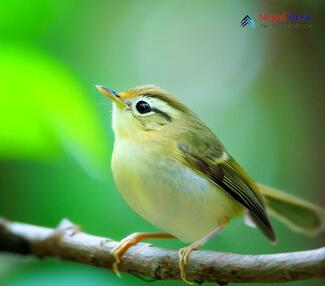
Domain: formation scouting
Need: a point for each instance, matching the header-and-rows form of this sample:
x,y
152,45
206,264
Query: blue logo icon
x,y
247,21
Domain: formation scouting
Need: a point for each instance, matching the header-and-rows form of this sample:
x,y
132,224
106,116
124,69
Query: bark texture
x,y
146,260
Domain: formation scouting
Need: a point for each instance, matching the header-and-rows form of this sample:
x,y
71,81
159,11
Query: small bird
x,y
173,171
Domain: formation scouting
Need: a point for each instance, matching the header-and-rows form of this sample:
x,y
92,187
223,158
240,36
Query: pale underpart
x,y
169,194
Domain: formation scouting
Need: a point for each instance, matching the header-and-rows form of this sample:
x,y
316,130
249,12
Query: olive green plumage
x,y
173,171
209,158
186,138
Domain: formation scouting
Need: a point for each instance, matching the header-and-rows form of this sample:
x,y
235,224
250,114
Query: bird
x,y
174,171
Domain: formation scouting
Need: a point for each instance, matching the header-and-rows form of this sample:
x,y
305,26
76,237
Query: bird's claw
x,y
183,254
120,249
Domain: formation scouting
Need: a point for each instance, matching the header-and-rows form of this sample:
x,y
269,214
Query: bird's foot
x,y
186,251
122,247
129,241
183,254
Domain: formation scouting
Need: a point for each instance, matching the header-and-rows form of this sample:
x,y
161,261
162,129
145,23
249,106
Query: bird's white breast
x,y
169,194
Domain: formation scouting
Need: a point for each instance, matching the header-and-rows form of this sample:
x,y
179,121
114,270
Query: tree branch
x,y
158,263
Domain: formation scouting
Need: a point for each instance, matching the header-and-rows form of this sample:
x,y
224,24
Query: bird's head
x,y
143,110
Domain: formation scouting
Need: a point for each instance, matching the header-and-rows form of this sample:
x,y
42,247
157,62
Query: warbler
x,y
172,170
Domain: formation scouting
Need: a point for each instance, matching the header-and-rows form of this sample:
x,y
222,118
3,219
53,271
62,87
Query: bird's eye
x,y
143,107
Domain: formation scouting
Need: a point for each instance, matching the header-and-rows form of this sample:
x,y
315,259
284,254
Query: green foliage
x,y
45,111
259,90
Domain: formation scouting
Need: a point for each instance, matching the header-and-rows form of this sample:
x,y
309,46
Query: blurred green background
x,y
261,90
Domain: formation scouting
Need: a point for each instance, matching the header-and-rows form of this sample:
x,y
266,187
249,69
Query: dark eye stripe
x,y
163,114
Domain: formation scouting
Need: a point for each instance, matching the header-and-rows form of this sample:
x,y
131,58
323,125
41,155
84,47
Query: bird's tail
x,y
298,214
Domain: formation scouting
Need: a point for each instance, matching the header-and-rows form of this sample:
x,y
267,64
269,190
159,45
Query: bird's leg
x,y
129,241
185,252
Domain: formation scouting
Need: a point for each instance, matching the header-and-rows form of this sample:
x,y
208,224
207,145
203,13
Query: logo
x,y
247,21
285,17
278,20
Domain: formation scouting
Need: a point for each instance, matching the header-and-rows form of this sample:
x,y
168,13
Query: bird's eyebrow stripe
x,y
163,114
170,102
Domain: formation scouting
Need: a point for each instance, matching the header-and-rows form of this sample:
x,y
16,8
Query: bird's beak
x,y
113,95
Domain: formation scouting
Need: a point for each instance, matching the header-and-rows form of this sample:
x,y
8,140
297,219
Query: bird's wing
x,y
214,163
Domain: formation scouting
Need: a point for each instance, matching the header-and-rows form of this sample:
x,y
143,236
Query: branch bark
x,y
157,263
